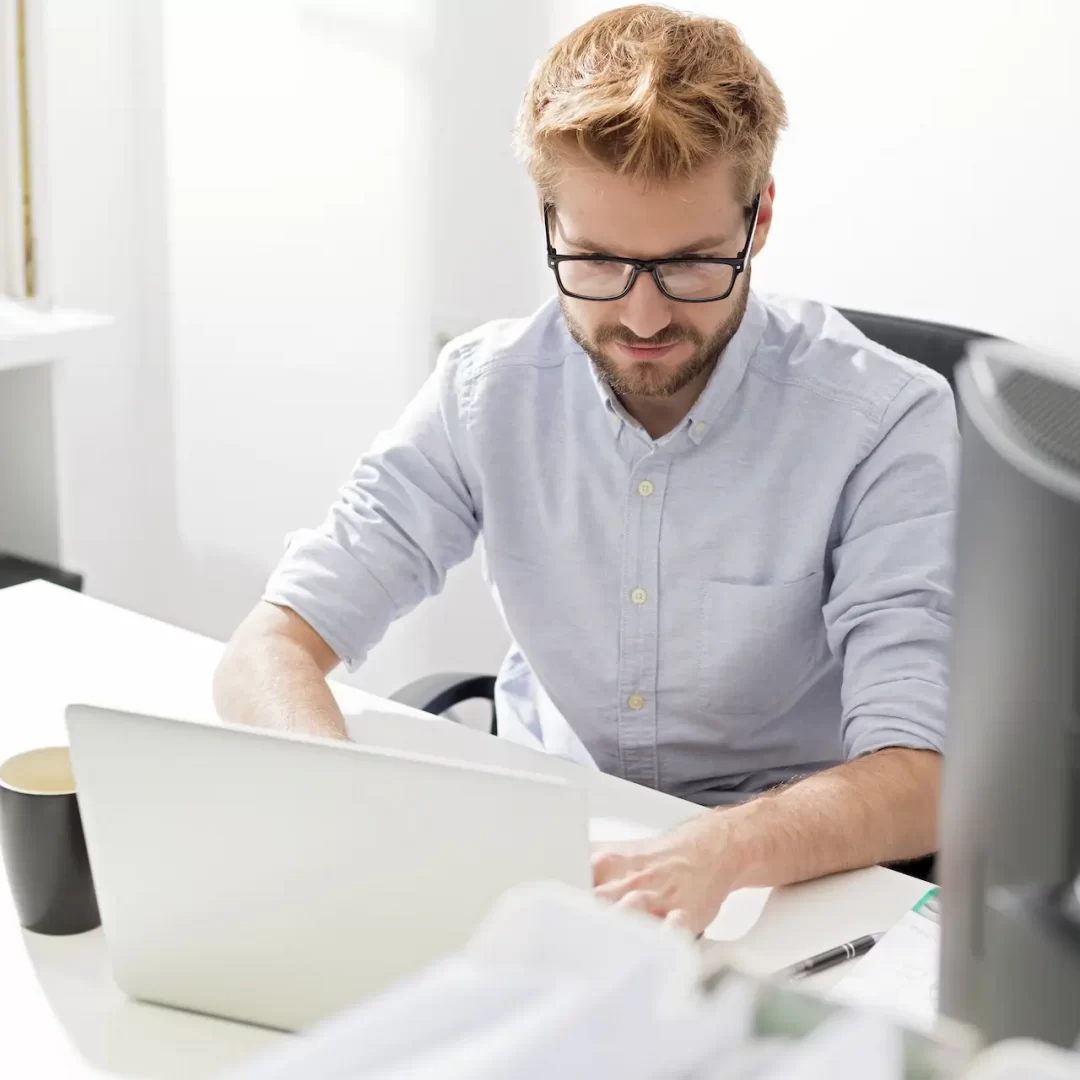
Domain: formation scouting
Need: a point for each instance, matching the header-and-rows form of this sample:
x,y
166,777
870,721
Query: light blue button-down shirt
x,y
762,592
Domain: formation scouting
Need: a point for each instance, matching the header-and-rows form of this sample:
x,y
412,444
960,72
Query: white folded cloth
x,y
555,985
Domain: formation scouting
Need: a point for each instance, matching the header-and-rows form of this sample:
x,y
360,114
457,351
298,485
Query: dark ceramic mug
x,y
44,848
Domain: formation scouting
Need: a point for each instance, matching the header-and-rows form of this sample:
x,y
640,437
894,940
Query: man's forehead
x,y
614,212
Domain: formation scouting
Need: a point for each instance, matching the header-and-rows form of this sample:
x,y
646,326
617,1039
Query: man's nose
x,y
645,309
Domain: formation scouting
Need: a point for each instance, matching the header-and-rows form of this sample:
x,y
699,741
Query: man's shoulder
x,y
538,340
810,346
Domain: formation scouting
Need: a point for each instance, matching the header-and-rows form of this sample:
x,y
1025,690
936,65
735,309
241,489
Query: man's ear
x,y
764,216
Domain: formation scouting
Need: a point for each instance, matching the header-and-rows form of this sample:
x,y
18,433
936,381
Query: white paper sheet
x,y
900,973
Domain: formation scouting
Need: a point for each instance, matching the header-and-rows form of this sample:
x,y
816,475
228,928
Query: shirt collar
x,y
725,379
729,372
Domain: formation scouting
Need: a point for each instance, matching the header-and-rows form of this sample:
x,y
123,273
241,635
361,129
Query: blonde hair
x,y
652,93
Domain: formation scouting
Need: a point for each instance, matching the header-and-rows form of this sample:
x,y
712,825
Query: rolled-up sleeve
x,y
889,611
405,517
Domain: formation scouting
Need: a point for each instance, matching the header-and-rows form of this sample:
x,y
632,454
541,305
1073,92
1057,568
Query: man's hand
x,y
682,877
878,808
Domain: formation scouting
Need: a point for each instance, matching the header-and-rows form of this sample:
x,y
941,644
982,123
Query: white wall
x,y
104,181
329,212
249,189
932,158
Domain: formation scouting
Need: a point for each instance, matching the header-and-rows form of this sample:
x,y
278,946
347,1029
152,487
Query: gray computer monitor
x,y
1011,803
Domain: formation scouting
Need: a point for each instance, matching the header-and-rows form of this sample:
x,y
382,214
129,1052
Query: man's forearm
x,y
269,679
878,808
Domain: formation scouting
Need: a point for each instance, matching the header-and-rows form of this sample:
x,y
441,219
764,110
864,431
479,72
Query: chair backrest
x,y
936,345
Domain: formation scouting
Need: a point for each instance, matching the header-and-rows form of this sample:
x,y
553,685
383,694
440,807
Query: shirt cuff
x,y
315,616
868,734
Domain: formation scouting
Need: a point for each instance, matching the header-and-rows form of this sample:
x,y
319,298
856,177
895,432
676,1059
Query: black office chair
x,y
937,345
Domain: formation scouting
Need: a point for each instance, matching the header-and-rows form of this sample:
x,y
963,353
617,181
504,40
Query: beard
x,y
644,378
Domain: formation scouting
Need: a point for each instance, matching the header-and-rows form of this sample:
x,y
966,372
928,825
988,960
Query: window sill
x,y
30,335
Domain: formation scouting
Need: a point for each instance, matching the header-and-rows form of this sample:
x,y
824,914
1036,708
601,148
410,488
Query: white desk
x,y
60,1013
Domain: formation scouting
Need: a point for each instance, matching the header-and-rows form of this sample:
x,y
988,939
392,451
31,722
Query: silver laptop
x,y
276,879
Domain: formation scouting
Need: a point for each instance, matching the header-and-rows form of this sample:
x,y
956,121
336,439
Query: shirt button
x,y
645,488
699,427
639,596
635,701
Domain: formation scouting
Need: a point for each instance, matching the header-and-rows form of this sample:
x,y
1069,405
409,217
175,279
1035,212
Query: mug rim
x,y
8,786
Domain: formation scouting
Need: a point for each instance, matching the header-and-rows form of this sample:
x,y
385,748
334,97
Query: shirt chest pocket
x,y
759,645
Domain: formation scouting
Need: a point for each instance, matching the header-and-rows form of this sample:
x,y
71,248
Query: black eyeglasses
x,y
690,279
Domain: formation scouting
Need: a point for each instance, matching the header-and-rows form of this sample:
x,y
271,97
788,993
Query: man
x,y
718,526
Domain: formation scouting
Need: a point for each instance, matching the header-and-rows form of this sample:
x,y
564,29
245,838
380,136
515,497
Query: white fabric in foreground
x,y
553,985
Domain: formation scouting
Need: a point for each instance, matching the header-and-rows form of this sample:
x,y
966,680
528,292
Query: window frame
x,y
23,262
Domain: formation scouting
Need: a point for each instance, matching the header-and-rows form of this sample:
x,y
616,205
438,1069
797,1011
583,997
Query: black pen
x,y
830,957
